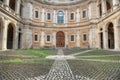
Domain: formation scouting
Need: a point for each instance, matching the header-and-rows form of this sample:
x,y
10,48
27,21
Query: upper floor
x,y
47,15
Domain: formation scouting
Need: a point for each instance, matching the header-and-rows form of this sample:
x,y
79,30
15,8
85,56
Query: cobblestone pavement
x,y
60,70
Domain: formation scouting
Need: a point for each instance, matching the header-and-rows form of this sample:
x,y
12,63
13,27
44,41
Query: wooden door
x,y
60,39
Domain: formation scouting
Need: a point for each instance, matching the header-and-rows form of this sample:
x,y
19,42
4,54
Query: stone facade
x,y
36,24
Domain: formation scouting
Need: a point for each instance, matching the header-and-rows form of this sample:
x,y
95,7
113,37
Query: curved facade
x,y
56,23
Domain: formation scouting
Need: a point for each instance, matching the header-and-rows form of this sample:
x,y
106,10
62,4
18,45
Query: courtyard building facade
x,y
56,23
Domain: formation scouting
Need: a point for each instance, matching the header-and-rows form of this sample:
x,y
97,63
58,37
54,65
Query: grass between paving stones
x,y
95,70
73,50
100,52
26,63
113,57
27,56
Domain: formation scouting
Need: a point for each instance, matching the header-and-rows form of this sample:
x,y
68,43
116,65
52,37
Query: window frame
x,y
47,38
47,16
83,13
73,37
36,9
73,16
36,35
84,38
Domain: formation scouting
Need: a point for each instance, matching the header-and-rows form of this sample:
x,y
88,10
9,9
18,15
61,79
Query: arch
x,y
60,17
111,41
10,36
60,39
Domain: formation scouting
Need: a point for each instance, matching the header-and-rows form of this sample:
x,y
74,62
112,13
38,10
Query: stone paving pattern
x,y
60,70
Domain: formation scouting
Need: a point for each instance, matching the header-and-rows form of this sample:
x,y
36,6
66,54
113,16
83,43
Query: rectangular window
x,y
36,14
84,14
72,16
48,38
48,16
72,38
84,37
35,37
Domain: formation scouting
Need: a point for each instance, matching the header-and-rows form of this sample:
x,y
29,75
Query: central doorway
x,y
60,39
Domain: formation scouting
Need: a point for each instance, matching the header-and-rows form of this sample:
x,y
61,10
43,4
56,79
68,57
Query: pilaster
x,y
42,38
17,7
116,35
4,39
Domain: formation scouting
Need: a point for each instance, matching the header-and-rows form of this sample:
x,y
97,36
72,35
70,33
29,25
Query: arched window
x,y
60,17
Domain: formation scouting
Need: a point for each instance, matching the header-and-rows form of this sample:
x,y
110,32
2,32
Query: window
x,y
48,38
72,38
84,37
84,14
72,16
36,14
36,37
48,16
60,17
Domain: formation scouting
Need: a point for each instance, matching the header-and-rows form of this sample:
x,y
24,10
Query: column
x,y
78,16
66,18
90,11
4,39
54,17
105,35
66,39
15,40
6,2
54,39
116,34
42,38
104,7
78,39
17,7
115,3
43,16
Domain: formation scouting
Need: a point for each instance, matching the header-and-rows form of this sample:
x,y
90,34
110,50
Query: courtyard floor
x,y
59,64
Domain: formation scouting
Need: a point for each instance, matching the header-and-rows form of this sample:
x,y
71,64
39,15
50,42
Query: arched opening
x,y
111,36
60,17
12,4
101,38
10,36
60,39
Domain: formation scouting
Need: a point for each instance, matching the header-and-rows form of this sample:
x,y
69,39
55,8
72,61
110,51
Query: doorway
x,y
60,39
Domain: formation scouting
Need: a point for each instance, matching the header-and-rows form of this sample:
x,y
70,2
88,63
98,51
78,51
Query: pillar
x,y
115,3
78,39
43,16
42,38
4,37
78,16
6,2
17,7
66,18
54,17
15,40
66,39
54,39
105,36
116,35
104,7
